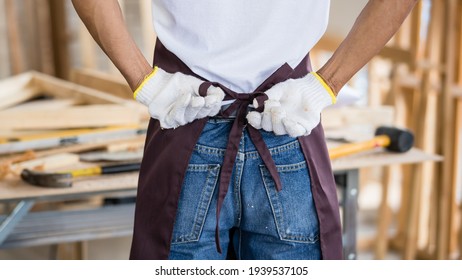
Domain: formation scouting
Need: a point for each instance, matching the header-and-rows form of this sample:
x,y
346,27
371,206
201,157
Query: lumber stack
x,y
47,122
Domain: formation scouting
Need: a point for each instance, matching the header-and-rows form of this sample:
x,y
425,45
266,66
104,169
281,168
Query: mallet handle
x,y
348,149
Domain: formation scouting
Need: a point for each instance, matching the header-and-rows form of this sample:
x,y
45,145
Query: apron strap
x,y
239,106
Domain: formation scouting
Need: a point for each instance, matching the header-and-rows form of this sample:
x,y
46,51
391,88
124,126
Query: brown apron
x,y
166,158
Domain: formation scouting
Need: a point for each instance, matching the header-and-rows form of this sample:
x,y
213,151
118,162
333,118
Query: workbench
x,y
21,227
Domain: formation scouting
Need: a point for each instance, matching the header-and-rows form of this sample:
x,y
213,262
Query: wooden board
x,y
73,117
23,87
47,163
17,89
4,50
102,81
381,157
341,117
46,104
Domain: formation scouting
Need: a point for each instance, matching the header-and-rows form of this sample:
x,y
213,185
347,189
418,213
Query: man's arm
x,y
377,23
105,22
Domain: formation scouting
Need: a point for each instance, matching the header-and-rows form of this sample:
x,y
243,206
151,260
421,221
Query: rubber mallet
x,y
393,139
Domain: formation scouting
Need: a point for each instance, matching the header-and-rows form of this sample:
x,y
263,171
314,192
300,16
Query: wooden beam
x,y
60,38
87,48
149,35
63,89
73,117
424,123
4,49
101,81
17,89
45,48
47,163
17,59
446,130
457,179
341,117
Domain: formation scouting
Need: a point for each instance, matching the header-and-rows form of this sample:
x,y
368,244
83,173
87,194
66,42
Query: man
x,y
235,161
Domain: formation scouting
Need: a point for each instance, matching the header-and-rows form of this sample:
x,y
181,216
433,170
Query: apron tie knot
x,y
240,108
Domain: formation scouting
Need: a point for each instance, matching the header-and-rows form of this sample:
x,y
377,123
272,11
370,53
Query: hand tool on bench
x,y
67,137
64,179
391,138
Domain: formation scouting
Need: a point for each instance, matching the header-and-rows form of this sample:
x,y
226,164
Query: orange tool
x,y
391,138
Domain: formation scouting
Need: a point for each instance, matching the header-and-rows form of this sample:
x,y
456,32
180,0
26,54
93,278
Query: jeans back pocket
x,y
293,207
195,197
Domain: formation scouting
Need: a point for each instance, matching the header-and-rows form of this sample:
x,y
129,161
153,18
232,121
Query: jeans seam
x,y
197,227
207,206
279,218
250,155
291,167
271,203
237,182
275,150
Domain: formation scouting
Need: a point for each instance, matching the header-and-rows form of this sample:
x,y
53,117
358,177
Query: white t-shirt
x,y
239,43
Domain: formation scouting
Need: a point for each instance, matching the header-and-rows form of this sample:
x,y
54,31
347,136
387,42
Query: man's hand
x,y
294,106
174,99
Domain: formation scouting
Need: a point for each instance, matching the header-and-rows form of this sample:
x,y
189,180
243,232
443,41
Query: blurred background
x,y
55,81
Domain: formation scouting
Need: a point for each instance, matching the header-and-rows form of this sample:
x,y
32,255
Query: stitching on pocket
x,y
278,209
201,208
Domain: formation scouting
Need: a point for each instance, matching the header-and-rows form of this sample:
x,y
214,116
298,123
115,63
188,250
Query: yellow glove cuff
x,y
145,80
326,86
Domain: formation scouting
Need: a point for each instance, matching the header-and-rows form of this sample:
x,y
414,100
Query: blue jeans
x,y
267,224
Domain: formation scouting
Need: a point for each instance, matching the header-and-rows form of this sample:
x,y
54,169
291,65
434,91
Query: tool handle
x,y
99,170
128,167
348,149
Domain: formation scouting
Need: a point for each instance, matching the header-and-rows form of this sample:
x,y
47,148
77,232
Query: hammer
x,y
64,179
391,138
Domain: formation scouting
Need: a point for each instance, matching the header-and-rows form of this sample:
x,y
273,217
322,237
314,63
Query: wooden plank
x,y
74,117
87,48
78,148
456,183
341,117
458,141
14,189
109,84
63,89
446,142
380,157
61,54
17,59
458,167
385,214
45,42
416,46
46,163
46,104
4,49
17,89
149,35
424,118
129,145
101,81
30,34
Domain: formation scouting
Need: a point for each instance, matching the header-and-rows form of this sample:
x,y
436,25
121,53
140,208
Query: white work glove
x,y
293,106
174,99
